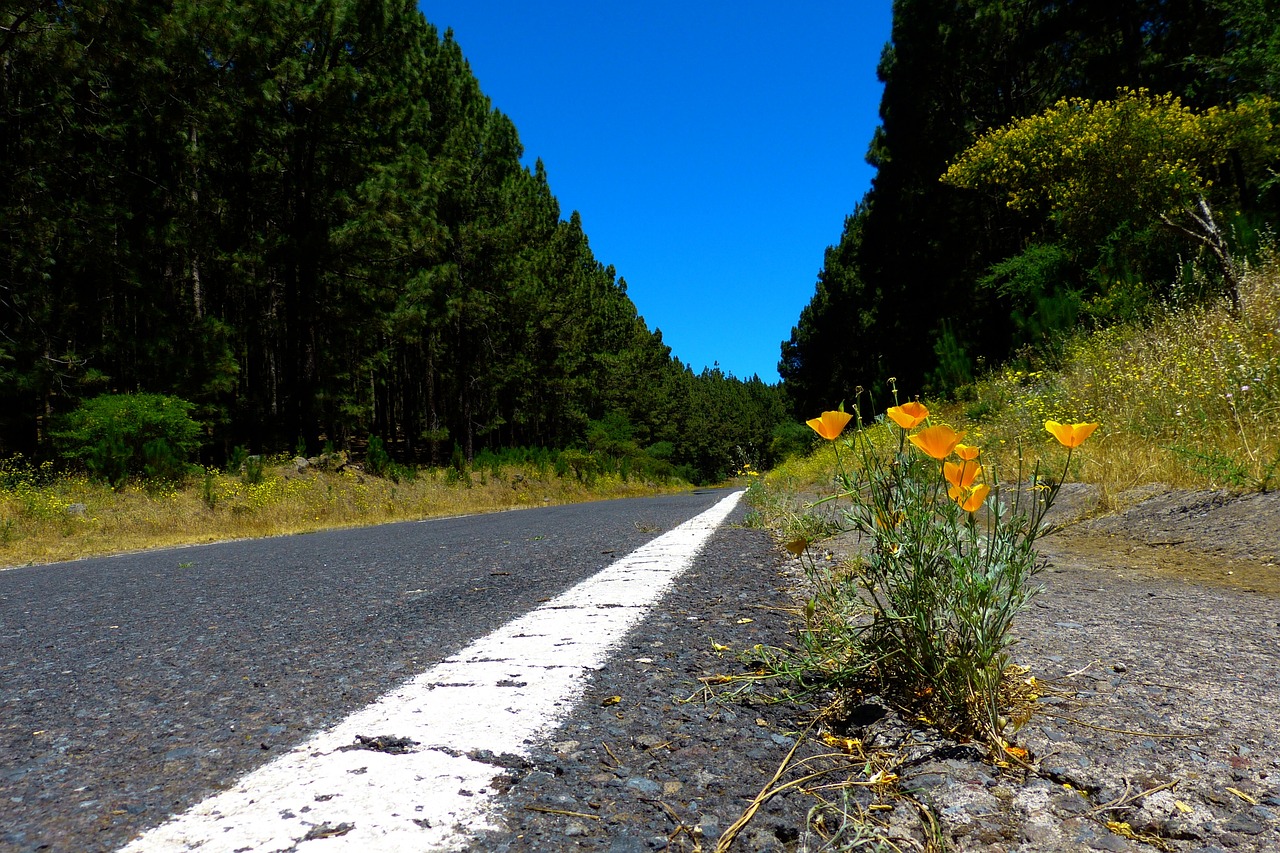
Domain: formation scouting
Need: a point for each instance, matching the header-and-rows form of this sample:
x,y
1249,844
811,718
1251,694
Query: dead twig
x,y
1126,800
545,810
766,793
615,758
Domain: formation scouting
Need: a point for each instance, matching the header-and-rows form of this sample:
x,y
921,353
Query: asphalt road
x,y
131,687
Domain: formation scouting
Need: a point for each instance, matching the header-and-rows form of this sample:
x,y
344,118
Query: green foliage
x,y
1043,307
118,436
687,473
924,610
377,460
585,467
1251,62
458,472
252,471
209,488
612,435
237,458
791,438
1223,468
161,463
954,366
661,450
380,464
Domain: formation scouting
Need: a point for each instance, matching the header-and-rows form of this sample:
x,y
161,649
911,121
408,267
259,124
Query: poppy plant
x,y
937,441
967,452
888,521
908,415
1070,435
971,499
830,425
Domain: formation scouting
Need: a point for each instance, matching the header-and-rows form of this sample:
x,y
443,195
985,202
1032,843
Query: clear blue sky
x,y
712,147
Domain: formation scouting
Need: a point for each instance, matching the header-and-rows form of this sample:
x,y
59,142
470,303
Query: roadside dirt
x,y
1213,538
1156,645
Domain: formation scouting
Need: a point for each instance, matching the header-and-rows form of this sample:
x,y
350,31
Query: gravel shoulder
x,y
1156,641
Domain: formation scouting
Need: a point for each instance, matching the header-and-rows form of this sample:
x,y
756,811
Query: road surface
x,y
134,687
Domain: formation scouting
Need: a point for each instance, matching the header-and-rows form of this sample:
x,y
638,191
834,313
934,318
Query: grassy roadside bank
x,y
1189,399
46,518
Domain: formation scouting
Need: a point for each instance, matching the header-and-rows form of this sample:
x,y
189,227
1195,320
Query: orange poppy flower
x,y
967,452
1017,752
908,415
961,475
937,441
1070,435
830,425
971,499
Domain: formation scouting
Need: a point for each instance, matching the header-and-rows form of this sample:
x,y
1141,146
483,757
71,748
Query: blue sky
x,y
712,147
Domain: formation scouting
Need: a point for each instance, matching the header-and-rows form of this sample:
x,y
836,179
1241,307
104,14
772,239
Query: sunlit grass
x,y
46,518
1191,400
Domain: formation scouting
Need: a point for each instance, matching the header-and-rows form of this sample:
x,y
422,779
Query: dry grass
x,y
45,519
1191,400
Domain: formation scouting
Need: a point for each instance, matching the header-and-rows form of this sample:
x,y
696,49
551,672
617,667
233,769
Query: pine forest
x,y
306,220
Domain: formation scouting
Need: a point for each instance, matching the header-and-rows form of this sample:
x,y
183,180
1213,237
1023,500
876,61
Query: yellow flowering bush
x,y
244,496
1137,151
25,491
1139,156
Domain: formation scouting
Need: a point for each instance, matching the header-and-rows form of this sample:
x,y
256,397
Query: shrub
x,y
458,471
118,436
790,439
236,461
378,462
946,561
252,470
585,465
376,459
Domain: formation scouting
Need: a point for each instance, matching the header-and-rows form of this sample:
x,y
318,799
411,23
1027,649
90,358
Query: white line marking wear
x,y
502,693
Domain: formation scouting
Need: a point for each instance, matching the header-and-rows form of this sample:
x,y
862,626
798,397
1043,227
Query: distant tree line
x,y
1137,161
306,219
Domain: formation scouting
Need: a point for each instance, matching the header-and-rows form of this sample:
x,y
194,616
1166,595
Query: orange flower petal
x,y
937,441
1070,435
830,425
908,415
961,475
974,500
967,452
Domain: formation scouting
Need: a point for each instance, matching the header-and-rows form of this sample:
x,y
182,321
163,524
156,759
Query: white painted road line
x,y
503,693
